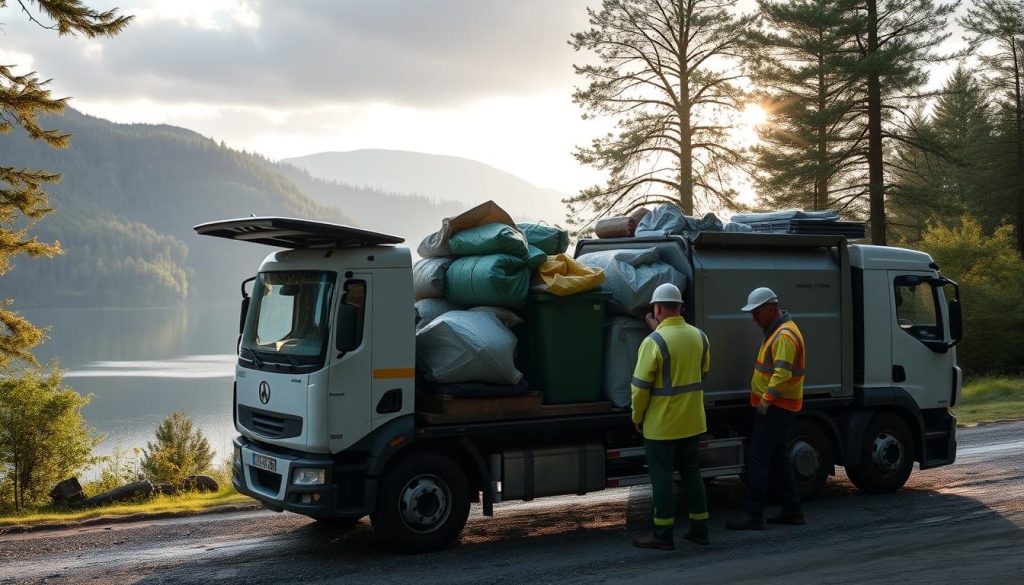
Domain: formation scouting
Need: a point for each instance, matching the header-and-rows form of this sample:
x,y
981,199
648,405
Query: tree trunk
x,y
820,173
876,179
1018,106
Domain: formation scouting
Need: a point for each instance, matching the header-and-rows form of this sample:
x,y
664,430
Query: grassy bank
x,y
991,400
188,503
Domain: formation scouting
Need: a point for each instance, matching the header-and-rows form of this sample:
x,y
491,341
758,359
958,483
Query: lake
x,y
143,364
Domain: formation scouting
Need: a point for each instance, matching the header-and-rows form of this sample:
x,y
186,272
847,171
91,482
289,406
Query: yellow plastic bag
x,y
564,276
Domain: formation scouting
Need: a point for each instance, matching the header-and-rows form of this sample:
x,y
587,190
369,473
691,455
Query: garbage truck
x,y
332,422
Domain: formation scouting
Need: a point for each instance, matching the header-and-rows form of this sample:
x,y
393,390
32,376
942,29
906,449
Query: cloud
x,y
315,52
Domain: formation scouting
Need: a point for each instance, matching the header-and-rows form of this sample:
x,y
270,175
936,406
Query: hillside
x,y
436,177
127,202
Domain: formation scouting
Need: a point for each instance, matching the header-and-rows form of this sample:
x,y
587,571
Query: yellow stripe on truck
x,y
394,373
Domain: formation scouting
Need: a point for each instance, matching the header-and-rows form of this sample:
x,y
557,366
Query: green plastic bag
x,y
498,280
493,238
550,239
537,257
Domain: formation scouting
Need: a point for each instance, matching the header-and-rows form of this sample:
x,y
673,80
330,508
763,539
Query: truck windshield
x,y
287,320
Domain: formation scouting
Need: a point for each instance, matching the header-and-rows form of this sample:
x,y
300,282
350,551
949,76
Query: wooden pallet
x,y
443,409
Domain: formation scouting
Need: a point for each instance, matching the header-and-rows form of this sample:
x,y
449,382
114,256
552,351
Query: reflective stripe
x,y
773,392
643,384
763,368
676,390
784,364
664,521
666,361
701,516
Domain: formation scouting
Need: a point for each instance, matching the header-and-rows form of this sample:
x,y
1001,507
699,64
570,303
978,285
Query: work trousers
x,y
769,460
663,458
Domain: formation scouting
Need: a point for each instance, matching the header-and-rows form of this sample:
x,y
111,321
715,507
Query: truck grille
x,y
269,424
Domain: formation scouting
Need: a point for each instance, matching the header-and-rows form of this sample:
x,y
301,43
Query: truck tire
x,y
810,454
422,503
888,453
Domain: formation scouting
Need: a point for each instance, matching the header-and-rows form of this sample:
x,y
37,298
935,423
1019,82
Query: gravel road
x,y
958,524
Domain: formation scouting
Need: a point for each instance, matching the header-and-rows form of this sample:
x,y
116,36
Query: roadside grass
x,y
190,502
991,399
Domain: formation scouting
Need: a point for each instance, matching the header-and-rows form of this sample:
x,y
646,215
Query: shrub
x,y
179,451
121,467
43,435
991,276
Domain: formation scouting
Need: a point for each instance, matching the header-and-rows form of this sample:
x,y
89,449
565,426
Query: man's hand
x,y
651,321
762,407
639,427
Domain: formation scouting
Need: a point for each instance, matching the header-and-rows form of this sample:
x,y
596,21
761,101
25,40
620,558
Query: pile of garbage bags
x,y
666,220
475,273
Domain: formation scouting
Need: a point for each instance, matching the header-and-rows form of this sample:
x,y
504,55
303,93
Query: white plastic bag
x,y
428,277
467,346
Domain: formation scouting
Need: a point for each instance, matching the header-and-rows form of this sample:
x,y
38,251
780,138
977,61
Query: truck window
x,y
917,310
355,295
287,321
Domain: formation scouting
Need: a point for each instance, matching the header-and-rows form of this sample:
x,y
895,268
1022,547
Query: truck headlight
x,y
308,476
238,457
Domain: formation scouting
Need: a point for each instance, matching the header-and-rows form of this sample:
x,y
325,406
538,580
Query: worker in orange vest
x,y
777,394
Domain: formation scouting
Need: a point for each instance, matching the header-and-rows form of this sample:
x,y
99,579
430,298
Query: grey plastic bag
x,y
666,220
428,277
464,346
631,275
429,309
623,336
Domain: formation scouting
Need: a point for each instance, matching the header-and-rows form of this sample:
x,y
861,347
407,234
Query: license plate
x,y
264,462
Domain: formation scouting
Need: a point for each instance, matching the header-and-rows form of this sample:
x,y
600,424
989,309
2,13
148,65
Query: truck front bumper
x,y
268,476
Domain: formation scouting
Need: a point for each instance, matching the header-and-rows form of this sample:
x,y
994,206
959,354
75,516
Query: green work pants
x,y
663,458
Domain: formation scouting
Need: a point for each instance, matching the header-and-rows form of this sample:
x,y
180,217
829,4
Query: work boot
x,y
698,533
651,540
750,522
795,518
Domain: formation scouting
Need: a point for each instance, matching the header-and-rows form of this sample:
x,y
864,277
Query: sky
x,y
488,80
482,79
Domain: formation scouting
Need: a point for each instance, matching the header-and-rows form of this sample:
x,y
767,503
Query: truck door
x,y
349,393
920,363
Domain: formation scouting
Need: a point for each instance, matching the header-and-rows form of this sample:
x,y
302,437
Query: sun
x,y
746,124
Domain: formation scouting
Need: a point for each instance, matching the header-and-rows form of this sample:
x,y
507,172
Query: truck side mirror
x,y
956,324
347,337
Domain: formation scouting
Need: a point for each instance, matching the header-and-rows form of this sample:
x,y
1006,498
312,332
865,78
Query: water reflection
x,y
140,365
189,366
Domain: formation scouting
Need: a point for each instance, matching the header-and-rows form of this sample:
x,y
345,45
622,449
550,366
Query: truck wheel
x,y
888,452
810,454
422,503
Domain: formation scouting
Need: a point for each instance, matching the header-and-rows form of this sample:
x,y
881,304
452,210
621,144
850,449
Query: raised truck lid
x,y
286,232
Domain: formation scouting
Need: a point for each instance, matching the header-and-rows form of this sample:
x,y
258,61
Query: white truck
x,y
331,425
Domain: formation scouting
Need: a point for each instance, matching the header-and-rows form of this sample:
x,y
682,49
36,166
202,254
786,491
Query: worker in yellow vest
x,y
777,394
668,410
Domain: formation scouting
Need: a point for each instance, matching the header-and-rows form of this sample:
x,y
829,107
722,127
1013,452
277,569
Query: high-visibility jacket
x,y
668,397
779,369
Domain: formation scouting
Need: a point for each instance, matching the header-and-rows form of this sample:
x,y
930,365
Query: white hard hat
x,y
666,293
758,297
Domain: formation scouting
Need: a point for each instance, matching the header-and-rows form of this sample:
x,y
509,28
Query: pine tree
x,y
996,31
810,154
180,450
947,169
896,41
23,201
666,76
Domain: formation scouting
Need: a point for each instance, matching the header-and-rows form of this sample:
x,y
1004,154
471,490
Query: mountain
x,y
125,208
436,177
